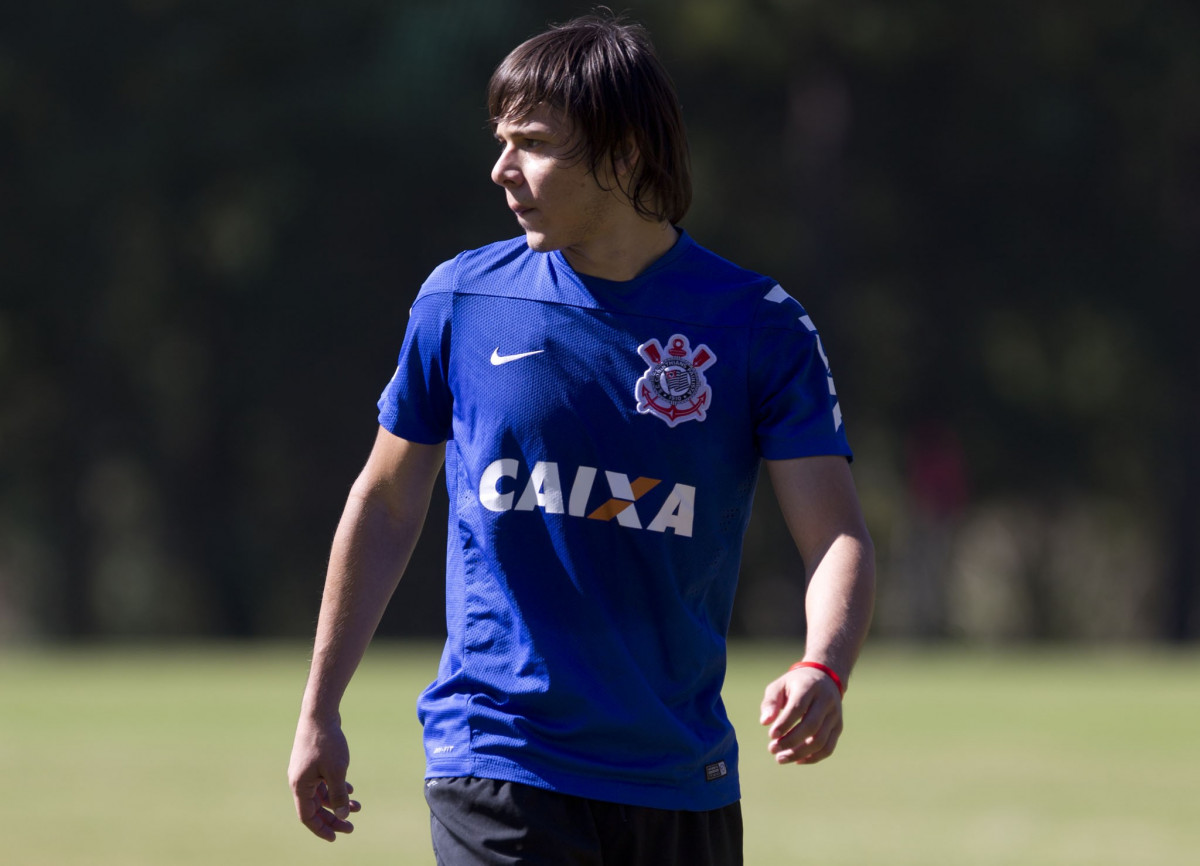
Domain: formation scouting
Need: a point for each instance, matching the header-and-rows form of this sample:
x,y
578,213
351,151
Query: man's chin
x,y
540,243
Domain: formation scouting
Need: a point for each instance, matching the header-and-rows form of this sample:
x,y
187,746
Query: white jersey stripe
x,y
777,295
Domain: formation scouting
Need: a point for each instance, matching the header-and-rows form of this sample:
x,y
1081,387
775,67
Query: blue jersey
x,y
602,449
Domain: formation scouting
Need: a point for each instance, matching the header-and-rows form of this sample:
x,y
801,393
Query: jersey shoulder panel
x,y
503,269
778,309
702,287
703,265
464,272
441,279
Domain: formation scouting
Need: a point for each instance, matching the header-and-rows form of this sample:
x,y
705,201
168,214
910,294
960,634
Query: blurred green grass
x,y
176,755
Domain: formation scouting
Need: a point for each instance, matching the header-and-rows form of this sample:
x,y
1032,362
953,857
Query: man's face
x,y
558,202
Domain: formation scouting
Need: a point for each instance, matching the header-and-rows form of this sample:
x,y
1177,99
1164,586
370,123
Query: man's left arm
x,y
804,706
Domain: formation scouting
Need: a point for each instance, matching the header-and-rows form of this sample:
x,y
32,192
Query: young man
x,y
602,391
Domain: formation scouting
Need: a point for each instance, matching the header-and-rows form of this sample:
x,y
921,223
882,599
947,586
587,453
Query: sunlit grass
x,y
177,756
963,758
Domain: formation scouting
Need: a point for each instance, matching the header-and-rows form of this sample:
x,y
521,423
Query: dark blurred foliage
x,y
214,216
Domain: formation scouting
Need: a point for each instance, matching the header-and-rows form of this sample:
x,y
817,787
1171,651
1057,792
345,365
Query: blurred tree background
x,y
214,216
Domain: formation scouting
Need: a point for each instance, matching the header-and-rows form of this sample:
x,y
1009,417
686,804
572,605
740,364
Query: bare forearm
x,y
803,707
821,508
839,603
370,551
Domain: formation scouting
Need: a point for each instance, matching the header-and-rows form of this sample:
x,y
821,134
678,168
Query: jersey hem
x,y
715,795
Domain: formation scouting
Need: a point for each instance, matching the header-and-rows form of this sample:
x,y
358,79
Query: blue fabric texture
x,y
603,441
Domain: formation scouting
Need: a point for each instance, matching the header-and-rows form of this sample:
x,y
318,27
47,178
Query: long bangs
x,y
604,75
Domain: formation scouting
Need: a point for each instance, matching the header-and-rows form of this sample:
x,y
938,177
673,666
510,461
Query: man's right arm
x,y
375,538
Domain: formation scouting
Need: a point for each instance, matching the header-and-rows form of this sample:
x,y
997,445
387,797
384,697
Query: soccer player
x,y
602,391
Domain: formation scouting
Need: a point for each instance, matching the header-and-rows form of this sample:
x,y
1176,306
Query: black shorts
x,y
483,822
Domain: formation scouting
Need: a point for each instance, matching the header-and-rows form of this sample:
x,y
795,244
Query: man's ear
x,y
625,159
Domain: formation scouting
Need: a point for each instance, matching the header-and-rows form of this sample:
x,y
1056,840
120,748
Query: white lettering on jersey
x,y
585,476
622,489
489,497
544,490
624,494
677,512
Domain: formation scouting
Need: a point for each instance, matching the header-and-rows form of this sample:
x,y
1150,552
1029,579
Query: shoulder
x,y
745,296
493,257
700,266
778,310
470,266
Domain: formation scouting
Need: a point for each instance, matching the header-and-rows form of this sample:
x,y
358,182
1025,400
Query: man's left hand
x,y
804,710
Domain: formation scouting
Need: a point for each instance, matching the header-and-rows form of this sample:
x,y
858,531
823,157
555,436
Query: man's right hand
x,y
317,773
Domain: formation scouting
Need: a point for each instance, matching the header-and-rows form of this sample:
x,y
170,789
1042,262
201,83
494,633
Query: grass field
x,y
164,756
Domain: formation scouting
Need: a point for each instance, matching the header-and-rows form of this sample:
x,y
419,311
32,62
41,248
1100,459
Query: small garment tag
x,y
712,772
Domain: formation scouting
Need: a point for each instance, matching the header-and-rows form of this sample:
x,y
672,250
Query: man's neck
x,y
623,255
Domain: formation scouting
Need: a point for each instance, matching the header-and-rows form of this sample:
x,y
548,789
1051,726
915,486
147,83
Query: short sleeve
x,y
791,385
417,404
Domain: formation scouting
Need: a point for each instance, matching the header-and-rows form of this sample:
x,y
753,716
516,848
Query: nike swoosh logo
x,y
498,359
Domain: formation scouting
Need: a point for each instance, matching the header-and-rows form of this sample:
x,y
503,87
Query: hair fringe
x,y
602,72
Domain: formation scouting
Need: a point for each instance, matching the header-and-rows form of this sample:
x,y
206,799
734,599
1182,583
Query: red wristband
x,y
825,669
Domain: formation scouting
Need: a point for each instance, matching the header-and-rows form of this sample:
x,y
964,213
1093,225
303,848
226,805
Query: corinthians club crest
x,y
673,387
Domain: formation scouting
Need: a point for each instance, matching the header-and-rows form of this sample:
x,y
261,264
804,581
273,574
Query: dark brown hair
x,y
602,72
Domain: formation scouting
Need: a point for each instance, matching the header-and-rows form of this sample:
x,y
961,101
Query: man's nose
x,y
505,172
